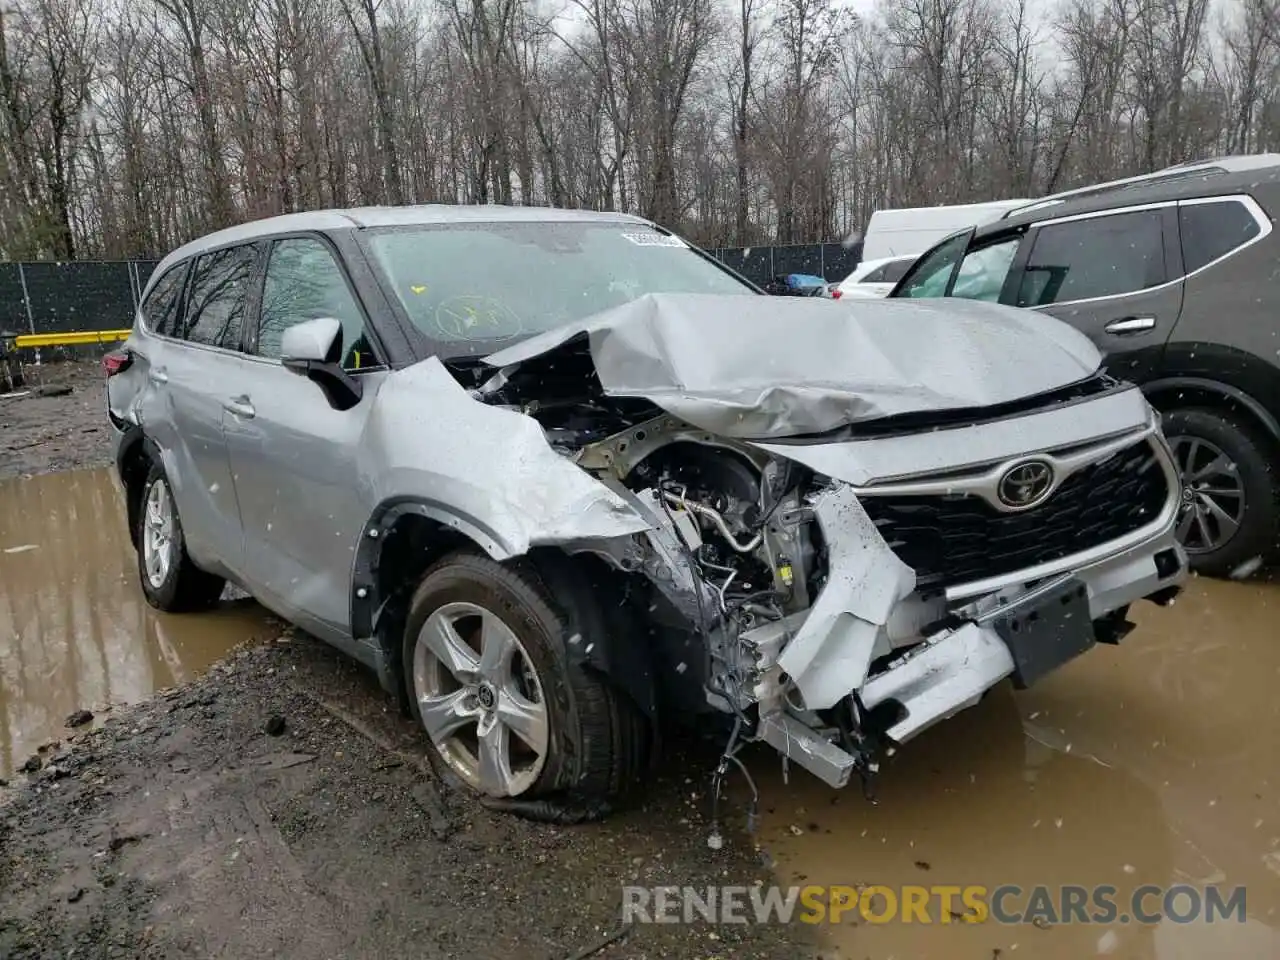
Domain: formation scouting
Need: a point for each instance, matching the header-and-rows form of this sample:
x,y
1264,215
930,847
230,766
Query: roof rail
x,y
1212,167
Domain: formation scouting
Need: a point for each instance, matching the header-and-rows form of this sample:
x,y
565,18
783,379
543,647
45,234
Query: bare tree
x,y
362,15
127,127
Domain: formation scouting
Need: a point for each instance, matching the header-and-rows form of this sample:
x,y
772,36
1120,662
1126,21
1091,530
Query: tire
x,y
177,585
1204,434
595,740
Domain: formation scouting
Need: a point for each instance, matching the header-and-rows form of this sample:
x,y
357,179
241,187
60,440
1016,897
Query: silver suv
x,y
556,475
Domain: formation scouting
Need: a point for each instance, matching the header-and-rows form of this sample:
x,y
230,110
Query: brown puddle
x,y
1156,762
75,630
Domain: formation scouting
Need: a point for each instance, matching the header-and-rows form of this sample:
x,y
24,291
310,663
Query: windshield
x,y
477,287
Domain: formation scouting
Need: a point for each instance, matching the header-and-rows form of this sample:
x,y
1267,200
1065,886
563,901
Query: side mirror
x,y
313,349
312,340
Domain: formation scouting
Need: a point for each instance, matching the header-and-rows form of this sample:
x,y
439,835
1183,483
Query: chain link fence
x,y
831,261
45,297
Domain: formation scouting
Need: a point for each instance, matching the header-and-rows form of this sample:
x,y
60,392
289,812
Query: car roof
x,y
357,218
1216,165
1171,185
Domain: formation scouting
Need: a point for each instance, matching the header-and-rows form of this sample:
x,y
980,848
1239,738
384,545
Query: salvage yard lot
x,y
279,806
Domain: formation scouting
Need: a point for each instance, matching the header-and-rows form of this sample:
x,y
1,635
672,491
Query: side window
x,y
1212,230
1096,257
219,293
929,276
895,271
160,309
304,282
983,271
878,275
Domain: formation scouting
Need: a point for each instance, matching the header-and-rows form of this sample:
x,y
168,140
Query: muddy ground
x,y
41,433
181,827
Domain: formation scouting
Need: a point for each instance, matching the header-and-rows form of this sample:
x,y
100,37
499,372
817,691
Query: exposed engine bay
x,y
836,593
740,548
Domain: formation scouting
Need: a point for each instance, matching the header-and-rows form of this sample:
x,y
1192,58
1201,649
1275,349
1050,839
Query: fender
x,y
366,600
618,654
131,443
1234,375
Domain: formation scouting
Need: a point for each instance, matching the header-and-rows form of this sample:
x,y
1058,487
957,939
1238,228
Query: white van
x,y
909,231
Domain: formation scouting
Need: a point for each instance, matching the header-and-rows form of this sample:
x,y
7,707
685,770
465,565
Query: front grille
x,y
951,540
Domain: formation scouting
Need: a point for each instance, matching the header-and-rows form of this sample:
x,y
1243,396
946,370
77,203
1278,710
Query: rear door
x,y
192,353
1114,276
303,500
131,392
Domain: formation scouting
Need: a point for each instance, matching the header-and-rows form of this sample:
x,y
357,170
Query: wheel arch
x,y
134,457
406,536
1174,392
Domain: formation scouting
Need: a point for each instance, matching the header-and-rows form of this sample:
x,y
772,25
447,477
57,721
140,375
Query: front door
x,y
303,500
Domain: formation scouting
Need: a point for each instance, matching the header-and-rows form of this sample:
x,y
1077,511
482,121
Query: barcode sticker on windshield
x,y
654,240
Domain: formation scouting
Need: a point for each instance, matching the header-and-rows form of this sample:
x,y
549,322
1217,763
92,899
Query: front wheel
x,y
1230,509
510,712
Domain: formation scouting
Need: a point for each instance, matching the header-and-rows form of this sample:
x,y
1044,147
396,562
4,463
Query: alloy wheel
x,y
157,534
480,699
1213,497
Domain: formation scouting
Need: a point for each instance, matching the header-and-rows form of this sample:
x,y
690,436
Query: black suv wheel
x,y
1230,490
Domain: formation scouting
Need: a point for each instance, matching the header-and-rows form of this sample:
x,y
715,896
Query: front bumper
x,y
952,668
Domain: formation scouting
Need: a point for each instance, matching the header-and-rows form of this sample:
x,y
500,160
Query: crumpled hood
x,y
757,367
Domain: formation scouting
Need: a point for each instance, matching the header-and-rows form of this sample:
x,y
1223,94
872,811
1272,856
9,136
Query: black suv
x,y
1174,277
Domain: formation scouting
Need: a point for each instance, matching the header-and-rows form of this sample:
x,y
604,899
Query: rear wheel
x,y
511,713
1230,508
170,581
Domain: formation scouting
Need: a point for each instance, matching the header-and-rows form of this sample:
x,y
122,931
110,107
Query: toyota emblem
x,y
1026,484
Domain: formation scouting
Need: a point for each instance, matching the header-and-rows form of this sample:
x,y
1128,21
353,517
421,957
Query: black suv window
x,y
219,292
1096,257
955,269
303,283
1212,230
160,309
983,270
931,274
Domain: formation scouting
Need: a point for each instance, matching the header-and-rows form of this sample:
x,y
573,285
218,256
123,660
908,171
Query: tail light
x,y
117,361
836,293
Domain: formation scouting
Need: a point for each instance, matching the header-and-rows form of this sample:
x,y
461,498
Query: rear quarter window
x,y
890,273
1210,231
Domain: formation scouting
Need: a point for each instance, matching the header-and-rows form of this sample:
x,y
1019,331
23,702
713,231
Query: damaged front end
x,y
839,566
